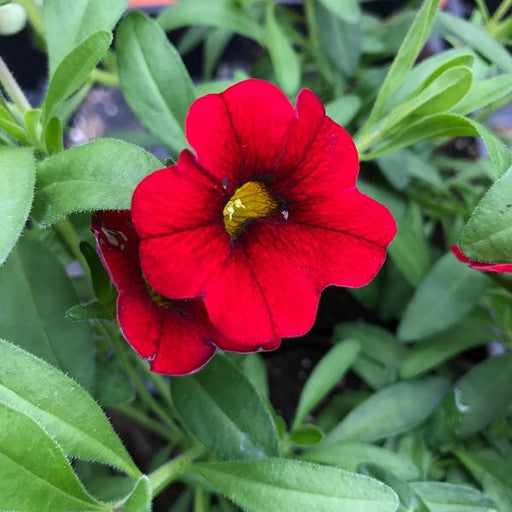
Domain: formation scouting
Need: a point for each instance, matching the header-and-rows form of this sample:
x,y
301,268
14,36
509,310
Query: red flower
x,y
175,335
264,217
480,265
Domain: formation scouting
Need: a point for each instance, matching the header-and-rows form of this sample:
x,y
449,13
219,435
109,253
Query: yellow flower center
x,y
250,201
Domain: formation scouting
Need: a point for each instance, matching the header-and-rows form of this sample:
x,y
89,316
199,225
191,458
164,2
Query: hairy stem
x,y
104,77
144,394
69,236
171,470
146,421
12,88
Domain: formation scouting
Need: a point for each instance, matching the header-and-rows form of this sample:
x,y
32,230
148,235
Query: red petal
x,y
347,235
178,338
139,321
180,265
176,199
118,246
263,291
320,155
178,214
241,132
479,265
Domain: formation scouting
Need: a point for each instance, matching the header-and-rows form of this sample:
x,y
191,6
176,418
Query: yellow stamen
x,y
250,201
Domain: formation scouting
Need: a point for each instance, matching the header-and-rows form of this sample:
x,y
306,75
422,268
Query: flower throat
x,y
250,201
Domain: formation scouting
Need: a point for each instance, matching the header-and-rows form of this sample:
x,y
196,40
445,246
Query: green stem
x,y
104,77
145,395
144,420
309,9
199,500
483,9
12,88
34,15
501,11
170,471
70,237
160,384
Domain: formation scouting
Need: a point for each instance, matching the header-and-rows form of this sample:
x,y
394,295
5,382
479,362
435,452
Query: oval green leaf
x,y
61,407
221,408
329,370
390,411
154,80
436,306
35,293
72,72
17,179
34,472
101,175
281,485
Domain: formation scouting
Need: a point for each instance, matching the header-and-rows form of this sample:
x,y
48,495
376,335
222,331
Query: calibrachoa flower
x,y
263,217
175,335
480,265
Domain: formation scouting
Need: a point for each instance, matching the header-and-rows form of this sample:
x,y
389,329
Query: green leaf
x,y
61,407
441,95
35,294
485,92
449,291
381,353
465,60
93,309
482,463
477,38
53,136
409,500
32,119
148,63
484,394
498,491
17,179
101,283
473,330
350,456
444,497
112,386
215,13
448,125
74,69
343,110
140,499
324,377
306,435
425,70
348,10
11,126
340,40
409,252
68,24
233,422
281,485
214,46
488,234
101,175
407,54
34,473
253,366
390,411
402,165
284,59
